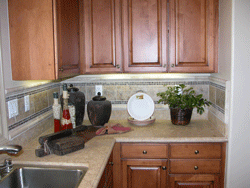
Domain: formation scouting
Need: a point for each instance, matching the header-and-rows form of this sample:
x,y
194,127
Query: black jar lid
x,y
99,97
72,89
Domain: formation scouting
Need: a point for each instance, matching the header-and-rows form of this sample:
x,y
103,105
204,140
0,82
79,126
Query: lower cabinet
x,y
144,173
169,165
194,181
107,176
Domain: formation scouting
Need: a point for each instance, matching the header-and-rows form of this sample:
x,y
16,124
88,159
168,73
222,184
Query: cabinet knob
x,y
60,69
118,66
164,168
172,65
165,65
111,163
144,152
196,152
196,167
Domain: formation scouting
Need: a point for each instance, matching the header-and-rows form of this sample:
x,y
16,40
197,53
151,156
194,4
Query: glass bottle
x,y
65,121
56,113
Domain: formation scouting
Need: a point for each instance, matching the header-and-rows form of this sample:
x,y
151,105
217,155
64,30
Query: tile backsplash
x,y
118,91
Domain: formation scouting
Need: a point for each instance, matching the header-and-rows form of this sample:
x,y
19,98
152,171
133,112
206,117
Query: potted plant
x,y
181,101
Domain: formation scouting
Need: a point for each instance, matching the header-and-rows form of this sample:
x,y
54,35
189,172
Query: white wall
x,y
238,168
225,32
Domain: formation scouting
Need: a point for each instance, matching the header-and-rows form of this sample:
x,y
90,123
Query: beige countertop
x,y
97,150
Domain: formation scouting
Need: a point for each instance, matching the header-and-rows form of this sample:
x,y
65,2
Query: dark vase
x,y
77,98
181,116
99,110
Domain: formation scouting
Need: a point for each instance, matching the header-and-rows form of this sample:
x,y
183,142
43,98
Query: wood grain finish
x,y
31,39
145,35
195,151
43,39
144,173
176,164
194,181
193,35
100,34
194,166
67,39
155,151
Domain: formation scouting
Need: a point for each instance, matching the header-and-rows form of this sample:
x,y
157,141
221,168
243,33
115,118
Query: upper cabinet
x,y
193,35
100,35
144,26
44,39
149,36
53,39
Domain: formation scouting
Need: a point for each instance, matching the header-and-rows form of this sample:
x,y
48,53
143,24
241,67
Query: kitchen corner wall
x,y
28,125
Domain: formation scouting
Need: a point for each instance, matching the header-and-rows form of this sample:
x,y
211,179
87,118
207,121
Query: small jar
x,y
99,110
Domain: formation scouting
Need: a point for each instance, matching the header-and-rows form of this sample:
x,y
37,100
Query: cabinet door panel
x,y
144,173
194,181
67,27
193,35
101,36
144,37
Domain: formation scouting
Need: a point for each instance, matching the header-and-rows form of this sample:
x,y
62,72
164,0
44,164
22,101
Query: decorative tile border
x,y
106,82
25,120
32,91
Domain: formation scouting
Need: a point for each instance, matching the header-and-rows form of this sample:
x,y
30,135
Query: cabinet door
x,y
151,173
100,34
107,177
193,35
67,38
43,39
31,40
145,35
194,181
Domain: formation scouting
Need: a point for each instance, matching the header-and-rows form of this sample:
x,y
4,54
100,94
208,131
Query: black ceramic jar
x,y
99,110
77,98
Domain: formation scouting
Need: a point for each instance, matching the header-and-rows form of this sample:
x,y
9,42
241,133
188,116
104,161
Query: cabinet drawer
x,y
154,151
194,151
194,166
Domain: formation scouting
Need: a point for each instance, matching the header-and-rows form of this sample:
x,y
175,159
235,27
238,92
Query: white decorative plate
x,y
140,106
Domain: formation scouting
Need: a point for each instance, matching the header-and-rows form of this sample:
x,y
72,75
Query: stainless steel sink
x,y
43,177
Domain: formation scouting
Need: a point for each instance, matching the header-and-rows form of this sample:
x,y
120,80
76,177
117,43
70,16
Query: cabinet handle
x,y
164,168
172,65
61,69
111,163
196,167
144,152
118,66
196,152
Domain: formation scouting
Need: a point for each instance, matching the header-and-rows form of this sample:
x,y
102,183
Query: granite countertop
x,y
97,150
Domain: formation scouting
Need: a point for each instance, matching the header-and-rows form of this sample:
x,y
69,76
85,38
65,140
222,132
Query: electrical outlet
x,y
98,88
26,103
13,108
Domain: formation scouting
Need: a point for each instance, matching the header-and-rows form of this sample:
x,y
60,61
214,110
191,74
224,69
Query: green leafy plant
x,y
182,97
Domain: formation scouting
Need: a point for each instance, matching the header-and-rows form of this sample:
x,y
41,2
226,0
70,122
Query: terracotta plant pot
x,y
181,117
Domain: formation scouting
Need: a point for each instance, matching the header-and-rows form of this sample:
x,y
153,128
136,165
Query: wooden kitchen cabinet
x,y
149,36
145,41
196,165
107,177
170,165
100,35
193,35
44,39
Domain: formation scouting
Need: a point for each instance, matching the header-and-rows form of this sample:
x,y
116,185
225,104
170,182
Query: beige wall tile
x,y
212,93
40,101
220,98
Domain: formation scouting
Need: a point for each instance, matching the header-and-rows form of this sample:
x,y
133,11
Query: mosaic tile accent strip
x,y
25,120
